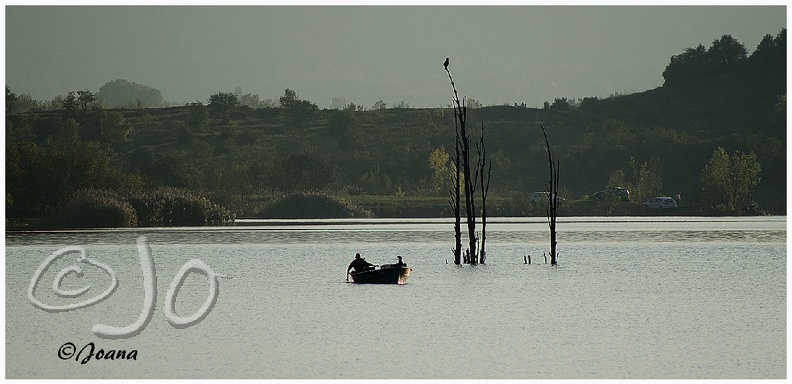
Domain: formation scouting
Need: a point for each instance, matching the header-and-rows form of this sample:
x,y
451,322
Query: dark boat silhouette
x,y
385,274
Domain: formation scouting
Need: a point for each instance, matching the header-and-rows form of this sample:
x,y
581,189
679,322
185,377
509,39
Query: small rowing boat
x,y
385,274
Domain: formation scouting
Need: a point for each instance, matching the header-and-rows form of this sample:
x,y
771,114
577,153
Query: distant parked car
x,y
622,193
660,203
543,197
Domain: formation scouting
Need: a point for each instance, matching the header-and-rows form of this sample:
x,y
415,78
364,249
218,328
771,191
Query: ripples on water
x,y
632,298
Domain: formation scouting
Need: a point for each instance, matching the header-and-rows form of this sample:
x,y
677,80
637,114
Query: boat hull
x,y
394,275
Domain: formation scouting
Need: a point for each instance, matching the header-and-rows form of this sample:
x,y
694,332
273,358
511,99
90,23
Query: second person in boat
x,y
400,263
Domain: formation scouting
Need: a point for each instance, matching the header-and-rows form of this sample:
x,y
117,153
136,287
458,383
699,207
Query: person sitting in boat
x,y
400,263
359,264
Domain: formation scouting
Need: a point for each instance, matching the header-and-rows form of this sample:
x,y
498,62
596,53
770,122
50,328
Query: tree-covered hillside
x,y
659,142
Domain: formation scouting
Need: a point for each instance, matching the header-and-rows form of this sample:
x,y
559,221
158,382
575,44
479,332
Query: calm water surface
x,y
632,298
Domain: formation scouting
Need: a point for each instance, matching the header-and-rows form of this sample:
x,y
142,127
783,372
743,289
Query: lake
x,y
633,298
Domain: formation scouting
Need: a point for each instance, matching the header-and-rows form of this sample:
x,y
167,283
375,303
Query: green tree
x,y
68,134
70,104
343,124
442,172
716,182
725,54
687,67
223,103
25,102
561,104
238,180
745,169
472,103
40,178
296,113
11,98
607,202
770,53
616,179
114,129
197,115
650,179
85,98
291,101
727,181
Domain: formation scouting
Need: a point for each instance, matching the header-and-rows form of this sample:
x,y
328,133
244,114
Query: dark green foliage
x,y
770,54
113,128
295,113
302,171
197,116
725,56
70,105
161,207
40,178
727,181
85,98
177,207
267,152
343,125
93,208
290,101
223,104
561,104
302,205
11,99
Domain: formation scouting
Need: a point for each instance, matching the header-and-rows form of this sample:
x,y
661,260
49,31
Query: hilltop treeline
x,y
659,142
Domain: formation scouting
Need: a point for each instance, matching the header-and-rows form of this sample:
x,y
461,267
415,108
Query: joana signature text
x,y
149,289
69,350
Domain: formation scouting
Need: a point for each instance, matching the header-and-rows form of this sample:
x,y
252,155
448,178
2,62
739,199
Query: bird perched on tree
x,y
445,64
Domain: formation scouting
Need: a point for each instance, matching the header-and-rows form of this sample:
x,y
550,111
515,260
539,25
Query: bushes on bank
x,y
92,208
173,206
305,205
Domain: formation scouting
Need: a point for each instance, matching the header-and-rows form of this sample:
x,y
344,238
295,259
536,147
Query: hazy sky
x,y
503,54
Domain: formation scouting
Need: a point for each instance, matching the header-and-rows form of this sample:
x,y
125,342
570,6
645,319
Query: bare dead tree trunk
x,y
463,143
455,200
552,211
485,184
470,194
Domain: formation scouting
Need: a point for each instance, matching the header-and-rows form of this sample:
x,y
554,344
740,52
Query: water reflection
x,y
507,230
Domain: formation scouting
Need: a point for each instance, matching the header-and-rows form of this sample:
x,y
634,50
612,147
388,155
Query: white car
x,y
660,203
542,197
